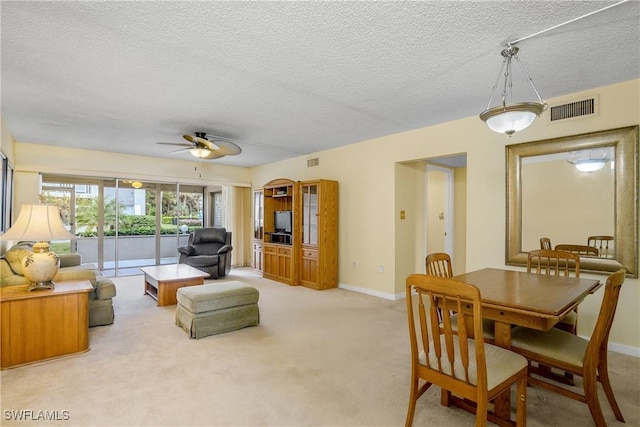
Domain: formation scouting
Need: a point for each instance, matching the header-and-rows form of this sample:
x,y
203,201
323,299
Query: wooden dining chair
x,y
603,244
571,353
459,365
545,243
557,263
578,249
439,264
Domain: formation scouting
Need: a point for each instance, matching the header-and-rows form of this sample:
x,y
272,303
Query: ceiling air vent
x,y
313,162
574,110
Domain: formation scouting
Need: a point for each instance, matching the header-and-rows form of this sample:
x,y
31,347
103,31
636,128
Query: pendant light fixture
x,y
510,117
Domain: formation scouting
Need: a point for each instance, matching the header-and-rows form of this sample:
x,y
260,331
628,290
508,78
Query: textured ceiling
x,y
286,78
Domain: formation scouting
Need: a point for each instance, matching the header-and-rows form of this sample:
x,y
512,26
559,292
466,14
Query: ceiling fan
x,y
206,146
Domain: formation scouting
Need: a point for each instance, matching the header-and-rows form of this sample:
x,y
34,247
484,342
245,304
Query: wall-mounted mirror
x,y
569,189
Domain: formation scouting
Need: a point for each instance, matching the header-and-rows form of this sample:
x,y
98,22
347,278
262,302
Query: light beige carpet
x,y
329,358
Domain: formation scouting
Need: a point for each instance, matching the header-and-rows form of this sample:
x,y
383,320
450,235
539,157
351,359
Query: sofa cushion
x,y
200,299
15,255
105,289
70,260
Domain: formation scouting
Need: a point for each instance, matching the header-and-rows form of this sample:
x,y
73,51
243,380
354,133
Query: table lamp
x,y
39,223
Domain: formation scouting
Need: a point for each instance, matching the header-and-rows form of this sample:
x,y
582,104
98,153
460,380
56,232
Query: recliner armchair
x,y
209,250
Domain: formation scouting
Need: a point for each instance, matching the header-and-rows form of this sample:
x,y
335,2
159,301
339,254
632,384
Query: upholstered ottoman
x,y
216,308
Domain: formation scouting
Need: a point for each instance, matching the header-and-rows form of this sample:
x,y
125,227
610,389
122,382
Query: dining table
x,y
517,298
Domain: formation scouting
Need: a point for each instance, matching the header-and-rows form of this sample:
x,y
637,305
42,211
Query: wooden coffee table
x,y
161,282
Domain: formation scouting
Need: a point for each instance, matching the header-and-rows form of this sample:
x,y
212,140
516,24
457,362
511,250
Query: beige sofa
x,y
71,268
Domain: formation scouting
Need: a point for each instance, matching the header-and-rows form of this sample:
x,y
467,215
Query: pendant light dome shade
x,y
514,117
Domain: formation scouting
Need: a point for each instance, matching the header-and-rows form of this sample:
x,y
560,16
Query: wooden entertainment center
x,y
304,252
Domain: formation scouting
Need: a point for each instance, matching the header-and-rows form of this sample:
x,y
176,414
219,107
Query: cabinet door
x,y
270,261
309,268
285,264
310,214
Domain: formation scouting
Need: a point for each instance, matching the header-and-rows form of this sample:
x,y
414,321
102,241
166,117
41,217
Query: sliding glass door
x,y
121,225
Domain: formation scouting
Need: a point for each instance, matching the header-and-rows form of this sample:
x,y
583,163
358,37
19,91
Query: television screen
x,y
282,221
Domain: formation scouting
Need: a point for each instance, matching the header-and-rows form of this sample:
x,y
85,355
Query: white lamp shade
x,y
39,223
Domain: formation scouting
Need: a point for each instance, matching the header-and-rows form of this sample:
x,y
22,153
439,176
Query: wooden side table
x,y
43,324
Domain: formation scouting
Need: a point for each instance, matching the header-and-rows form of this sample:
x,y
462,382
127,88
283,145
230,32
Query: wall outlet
x,y
381,268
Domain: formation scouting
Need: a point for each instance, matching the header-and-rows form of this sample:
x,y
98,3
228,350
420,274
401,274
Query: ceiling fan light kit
x,y
514,117
201,146
199,152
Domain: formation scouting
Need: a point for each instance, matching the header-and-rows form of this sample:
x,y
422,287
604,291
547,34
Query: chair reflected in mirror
x,y
545,243
583,250
604,244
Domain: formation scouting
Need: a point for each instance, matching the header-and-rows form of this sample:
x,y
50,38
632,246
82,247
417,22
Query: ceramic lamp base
x,y
40,267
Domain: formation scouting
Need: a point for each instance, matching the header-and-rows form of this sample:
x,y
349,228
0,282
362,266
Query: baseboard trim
x,y
390,297
624,349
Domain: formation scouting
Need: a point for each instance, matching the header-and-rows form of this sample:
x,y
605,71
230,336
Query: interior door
x,y
439,209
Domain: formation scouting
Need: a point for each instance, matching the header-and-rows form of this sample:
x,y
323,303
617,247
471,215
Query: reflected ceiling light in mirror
x,y
589,160
510,117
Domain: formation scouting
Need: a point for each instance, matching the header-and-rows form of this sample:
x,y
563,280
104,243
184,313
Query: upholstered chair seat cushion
x,y
199,261
555,343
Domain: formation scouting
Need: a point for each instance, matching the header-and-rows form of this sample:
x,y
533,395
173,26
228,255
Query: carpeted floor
x,y
330,358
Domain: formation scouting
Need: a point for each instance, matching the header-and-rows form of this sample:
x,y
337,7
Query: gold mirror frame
x,y
625,142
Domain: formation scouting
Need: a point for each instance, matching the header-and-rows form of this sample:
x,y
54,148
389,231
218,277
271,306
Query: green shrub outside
x,y
145,225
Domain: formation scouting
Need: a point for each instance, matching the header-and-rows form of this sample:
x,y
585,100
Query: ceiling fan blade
x,y
180,149
228,148
198,140
174,143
